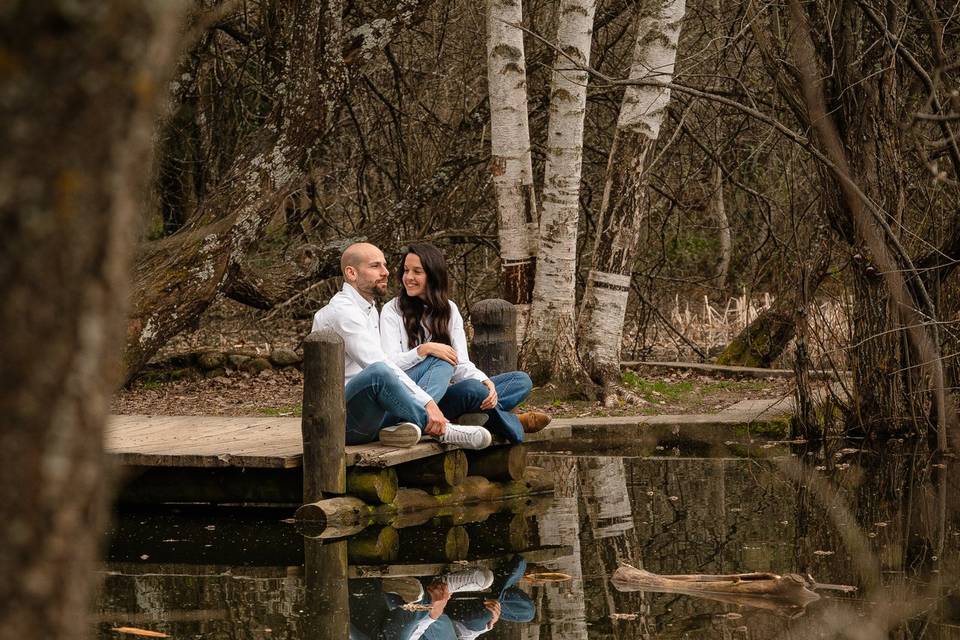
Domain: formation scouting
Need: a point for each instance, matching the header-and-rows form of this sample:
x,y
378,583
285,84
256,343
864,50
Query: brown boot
x,y
533,421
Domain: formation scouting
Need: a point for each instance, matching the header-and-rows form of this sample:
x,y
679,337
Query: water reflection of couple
x,y
457,606
407,370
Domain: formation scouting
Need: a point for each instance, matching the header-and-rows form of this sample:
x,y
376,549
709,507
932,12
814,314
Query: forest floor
x,y
278,392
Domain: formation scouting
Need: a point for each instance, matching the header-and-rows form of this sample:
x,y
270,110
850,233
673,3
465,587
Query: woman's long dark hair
x,y
434,308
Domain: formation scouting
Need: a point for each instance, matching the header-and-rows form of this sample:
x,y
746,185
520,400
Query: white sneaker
x,y
405,434
466,436
476,579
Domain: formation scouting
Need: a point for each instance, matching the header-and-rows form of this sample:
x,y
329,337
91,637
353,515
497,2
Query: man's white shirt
x,y
356,321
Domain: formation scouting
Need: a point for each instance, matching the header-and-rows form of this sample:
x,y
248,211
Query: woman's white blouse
x,y
396,346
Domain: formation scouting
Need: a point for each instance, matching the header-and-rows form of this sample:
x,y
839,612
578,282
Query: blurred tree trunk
x,y
600,325
549,350
510,160
82,81
178,277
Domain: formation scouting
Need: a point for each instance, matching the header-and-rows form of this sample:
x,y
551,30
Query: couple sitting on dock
x,y
407,371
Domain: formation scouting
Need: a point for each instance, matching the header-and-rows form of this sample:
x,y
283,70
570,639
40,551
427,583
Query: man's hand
x,y
491,400
438,350
439,596
493,606
436,421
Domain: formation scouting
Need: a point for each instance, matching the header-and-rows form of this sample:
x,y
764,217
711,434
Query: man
x,y
382,401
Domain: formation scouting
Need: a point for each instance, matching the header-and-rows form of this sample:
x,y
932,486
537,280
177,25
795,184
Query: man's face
x,y
371,275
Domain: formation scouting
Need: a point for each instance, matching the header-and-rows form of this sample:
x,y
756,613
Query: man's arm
x,y
365,351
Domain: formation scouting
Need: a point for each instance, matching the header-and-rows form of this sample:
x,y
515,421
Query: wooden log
x,y
326,595
348,511
342,511
324,417
494,336
762,590
378,486
499,463
501,532
374,545
445,470
434,544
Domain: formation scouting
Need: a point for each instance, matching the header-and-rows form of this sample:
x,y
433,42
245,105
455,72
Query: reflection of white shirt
x,y
358,323
396,345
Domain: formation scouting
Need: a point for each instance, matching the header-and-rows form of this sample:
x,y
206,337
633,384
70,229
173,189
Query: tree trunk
x,y
178,277
549,350
81,83
510,155
600,325
894,324
767,336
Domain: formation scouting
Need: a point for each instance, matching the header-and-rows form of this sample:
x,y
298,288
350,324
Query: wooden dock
x,y
248,442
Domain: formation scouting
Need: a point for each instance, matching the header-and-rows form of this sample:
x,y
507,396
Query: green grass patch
x,y
287,411
734,385
658,389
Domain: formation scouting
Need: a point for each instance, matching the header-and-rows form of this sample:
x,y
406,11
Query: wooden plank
x,y
258,442
534,556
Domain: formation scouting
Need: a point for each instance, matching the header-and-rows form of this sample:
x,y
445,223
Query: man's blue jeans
x,y
466,396
376,398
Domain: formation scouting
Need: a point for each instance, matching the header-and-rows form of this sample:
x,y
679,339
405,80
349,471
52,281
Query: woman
x,y
422,322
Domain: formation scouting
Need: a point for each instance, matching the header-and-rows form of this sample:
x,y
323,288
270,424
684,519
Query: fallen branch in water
x,y
788,594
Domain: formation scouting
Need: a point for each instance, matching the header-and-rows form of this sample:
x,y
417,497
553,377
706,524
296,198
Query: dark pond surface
x,y
881,520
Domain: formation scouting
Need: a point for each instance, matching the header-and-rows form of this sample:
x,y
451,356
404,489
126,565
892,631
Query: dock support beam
x,y
324,417
494,336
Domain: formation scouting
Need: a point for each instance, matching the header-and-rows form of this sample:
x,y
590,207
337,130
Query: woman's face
x,y
414,277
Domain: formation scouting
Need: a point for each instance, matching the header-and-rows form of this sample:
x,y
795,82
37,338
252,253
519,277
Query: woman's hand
x,y
438,350
491,400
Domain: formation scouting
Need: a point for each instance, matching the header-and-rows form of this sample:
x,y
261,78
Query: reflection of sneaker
x,y
473,419
476,579
409,589
466,436
533,421
405,434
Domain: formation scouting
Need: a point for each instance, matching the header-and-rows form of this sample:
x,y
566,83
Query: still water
x,y
882,520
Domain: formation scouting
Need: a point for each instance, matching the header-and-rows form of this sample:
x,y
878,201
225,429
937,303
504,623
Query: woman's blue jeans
x,y
376,398
466,396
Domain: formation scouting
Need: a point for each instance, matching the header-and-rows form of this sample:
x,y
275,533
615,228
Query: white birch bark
x,y
510,154
550,349
565,610
600,325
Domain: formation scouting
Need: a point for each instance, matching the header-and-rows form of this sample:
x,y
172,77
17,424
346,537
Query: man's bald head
x,y
357,254
365,269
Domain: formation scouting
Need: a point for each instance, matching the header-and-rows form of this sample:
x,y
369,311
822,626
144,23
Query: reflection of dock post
x,y
324,417
327,605
494,336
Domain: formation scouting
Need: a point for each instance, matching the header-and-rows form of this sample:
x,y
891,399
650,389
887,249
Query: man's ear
x,y
349,273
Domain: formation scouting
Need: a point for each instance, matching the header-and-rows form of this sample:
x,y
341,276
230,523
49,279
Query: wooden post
x,y
494,336
324,417
326,613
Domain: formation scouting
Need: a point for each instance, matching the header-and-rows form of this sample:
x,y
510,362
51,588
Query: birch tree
x,y
549,350
510,161
600,325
